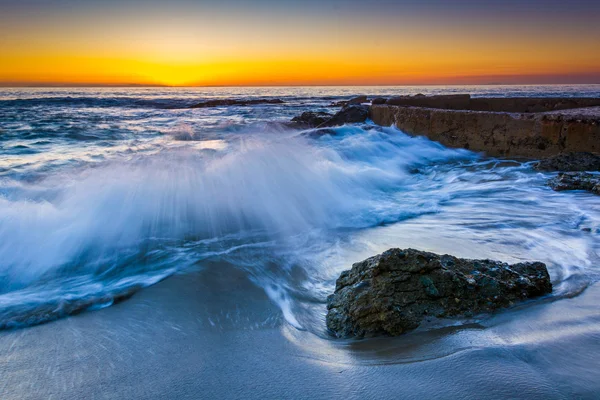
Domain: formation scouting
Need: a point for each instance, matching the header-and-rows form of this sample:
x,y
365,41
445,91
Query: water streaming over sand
x,y
106,191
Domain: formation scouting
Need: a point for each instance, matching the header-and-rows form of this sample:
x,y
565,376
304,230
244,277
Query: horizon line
x,y
32,85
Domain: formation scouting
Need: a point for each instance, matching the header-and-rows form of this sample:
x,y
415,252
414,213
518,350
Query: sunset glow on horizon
x,y
331,42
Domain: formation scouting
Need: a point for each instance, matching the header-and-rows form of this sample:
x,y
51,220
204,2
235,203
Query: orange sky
x,y
216,46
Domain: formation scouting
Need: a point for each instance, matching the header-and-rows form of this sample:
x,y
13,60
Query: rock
x,y
317,133
350,114
235,102
494,104
582,161
347,115
311,119
354,100
379,100
447,102
21,315
391,293
499,134
576,181
357,100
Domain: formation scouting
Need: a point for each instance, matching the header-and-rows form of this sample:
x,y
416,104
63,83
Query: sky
x,y
302,42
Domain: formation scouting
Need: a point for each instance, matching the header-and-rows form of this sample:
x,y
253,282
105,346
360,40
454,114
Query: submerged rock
x,y
317,133
350,114
354,100
22,315
311,119
235,102
581,161
576,181
391,293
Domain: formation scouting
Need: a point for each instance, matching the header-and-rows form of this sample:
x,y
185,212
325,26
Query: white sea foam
x,y
277,185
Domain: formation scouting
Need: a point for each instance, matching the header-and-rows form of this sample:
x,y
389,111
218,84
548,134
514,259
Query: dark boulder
x,y
311,119
576,181
393,292
379,100
348,115
235,102
357,100
351,114
354,100
582,161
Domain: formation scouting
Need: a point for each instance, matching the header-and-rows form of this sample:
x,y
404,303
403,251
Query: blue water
x,y
106,191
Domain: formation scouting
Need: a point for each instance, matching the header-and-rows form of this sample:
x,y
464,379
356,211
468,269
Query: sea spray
x,y
110,221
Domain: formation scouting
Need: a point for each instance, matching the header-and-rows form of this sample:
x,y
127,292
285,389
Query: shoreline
x,y
162,344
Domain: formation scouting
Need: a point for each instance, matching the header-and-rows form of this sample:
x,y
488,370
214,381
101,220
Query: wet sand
x,y
214,334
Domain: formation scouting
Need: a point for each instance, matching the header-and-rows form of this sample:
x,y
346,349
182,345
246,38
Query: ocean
x,y
107,192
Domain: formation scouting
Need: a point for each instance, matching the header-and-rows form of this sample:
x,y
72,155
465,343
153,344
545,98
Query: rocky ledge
x,y
391,293
582,161
576,181
507,127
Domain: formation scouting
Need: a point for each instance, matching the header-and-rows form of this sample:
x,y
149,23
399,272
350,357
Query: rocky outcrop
x,y
393,292
235,102
501,127
354,100
349,114
311,119
449,102
494,104
576,181
582,161
530,104
531,135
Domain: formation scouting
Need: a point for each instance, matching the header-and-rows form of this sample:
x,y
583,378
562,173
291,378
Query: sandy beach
x,y
191,336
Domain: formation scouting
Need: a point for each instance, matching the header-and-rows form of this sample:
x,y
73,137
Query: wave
x,y
126,222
